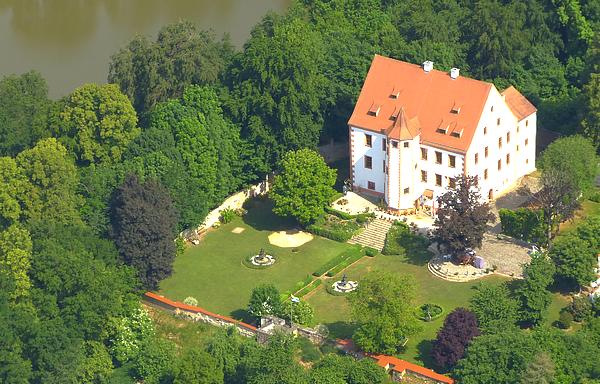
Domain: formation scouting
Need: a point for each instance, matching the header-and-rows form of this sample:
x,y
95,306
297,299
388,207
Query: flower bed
x,y
435,311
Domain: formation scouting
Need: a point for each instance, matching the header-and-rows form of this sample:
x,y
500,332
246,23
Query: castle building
x,y
415,129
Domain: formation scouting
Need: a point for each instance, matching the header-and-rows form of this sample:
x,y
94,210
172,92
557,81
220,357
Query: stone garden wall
x,y
199,314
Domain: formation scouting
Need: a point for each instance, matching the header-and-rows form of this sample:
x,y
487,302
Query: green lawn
x,y
213,273
588,209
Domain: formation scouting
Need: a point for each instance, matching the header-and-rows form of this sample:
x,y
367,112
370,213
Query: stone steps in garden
x,y
373,235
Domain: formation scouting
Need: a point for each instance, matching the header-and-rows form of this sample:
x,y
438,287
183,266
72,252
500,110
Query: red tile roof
x,y
518,104
433,102
402,366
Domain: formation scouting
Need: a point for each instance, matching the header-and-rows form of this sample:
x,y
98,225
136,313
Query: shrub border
x,y
434,317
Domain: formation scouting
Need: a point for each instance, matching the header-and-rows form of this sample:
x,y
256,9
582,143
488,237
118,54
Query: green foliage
x,y
371,252
24,110
15,260
155,361
332,228
144,222
308,351
532,292
227,215
309,288
565,319
401,240
524,224
496,358
383,308
581,308
334,369
152,72
350,256
429,312
580,165
539,371
304,187
496,311
574,259
100,122
97,366
264,301
12,185
197,366
50,191
128,333
591,121
350,253
301,312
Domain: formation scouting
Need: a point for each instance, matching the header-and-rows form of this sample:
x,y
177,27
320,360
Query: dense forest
x,y
95,186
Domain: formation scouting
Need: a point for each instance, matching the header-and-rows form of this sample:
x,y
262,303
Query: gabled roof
x,y
402,366
517,103
436,102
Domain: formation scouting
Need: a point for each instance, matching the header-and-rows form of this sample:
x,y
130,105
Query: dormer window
x,y
455,108
395,93
374,110
457,133
395,114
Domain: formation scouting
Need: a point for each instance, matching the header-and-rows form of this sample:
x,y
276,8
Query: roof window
x,y
456,108
395,93
457,133
374,110
443,128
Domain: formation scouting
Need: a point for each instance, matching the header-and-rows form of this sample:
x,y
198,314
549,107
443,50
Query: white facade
x,y
401,174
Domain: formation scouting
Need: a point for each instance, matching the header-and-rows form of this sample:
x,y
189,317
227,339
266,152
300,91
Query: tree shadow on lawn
x,y
341,329
260,216
243,315
424,354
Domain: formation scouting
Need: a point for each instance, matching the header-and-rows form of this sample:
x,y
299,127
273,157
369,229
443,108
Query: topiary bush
x,y
371,252
191,301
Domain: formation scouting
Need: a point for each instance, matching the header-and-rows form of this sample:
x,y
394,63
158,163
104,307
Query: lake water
x,y
70,41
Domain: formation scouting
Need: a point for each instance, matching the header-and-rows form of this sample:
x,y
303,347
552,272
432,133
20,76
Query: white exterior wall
x,y
522,161
393,188
363,175
443,169
409,173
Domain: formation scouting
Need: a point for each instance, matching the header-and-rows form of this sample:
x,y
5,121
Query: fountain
x,y
344,285
262,259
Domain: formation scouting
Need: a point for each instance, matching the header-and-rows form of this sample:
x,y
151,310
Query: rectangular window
x,y
438,180
423,153
499,142
527,161
394,144
499,164
452,161
526,141
485,174
406,143
518,128
527,123
438,157
424,176
507,137
487,152
476,158
384,170
498,121
369,141
452,182
371,185
517,147
406,190
368,162
507,158
485,130
384,145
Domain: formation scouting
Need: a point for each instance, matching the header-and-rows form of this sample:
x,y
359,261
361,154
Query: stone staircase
x,y
373,235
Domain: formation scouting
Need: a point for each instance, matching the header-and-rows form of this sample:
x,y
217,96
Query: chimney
x,y
428,66
454,73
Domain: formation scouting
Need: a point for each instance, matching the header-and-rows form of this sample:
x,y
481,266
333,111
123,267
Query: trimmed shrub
x,y
352,256
191,301
301,284
565,319
524,224
371,252
400,239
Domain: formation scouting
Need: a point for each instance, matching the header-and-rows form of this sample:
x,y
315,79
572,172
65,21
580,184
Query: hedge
x,y
524,224
371,252
329,233
346,262
337,260
309,288
301,284
346,216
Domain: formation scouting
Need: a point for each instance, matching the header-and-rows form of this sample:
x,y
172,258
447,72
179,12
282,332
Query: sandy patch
x,y
289,239
238,230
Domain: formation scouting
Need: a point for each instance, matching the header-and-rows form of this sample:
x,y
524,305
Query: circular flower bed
x,y
429,312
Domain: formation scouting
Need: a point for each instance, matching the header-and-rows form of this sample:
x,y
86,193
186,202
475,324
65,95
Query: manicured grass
x,y
334,311
213,273
588,209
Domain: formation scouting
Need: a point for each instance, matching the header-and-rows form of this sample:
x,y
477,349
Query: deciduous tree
x,y
304,187
144,223
335,369
532,292
461,217
383,308
460,327
265,300
496,311
99,122
15,260
574,259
